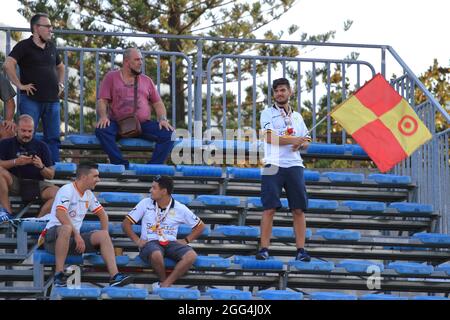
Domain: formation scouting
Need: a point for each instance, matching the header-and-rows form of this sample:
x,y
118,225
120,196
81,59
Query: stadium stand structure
x,y
371,236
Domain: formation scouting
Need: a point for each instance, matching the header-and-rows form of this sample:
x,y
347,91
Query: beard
x,y
135,73
281,101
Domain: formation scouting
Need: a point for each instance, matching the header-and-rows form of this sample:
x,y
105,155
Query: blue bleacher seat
x,y
152,169
65,167
359,266
84,292
323,148
83,139
97,259
200,171
32,226
127,292
405,207
251,263
89,226
389,178
244,173
372,296
279,295
335,234
182,198
412,268
212,262
444,267
255,202
229,294
184,230
324,205
288,232
47,258
331,296
344,177
188,143
219,200
178,293
313,265
232,145
111,168
432,237
136,142
120,197
238,231
311,175
429,298
357,150
365,206
39,135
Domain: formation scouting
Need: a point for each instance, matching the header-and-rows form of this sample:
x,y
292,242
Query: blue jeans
x,y
150,131
49,113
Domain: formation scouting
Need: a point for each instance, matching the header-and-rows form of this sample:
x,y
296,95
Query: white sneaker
x,y
155,286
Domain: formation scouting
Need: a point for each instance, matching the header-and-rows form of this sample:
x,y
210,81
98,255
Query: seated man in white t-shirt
x,y
161,215
62,232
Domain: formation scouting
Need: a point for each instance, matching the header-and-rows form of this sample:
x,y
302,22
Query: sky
x,y
416,29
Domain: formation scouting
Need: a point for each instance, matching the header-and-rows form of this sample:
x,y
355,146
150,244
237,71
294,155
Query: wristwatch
x,y
61,85
162,118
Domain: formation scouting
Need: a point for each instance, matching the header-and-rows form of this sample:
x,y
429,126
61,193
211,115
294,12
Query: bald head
x,y
132,61
25,128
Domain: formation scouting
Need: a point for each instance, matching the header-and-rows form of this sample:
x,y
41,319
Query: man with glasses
x,y
161,216
285,134
41,79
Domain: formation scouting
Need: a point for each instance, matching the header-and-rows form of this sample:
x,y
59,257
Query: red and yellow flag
x,y
382,122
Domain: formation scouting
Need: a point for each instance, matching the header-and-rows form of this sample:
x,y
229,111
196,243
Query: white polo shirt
x,y
178,214
70,200
282,156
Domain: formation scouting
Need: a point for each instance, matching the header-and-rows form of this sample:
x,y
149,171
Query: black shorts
x,y
174,250
50,241
291,179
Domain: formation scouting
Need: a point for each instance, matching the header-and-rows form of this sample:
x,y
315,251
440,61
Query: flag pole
x,y
317,124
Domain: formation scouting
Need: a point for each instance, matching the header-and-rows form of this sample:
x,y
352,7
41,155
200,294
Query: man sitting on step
x,y
161,215
62,233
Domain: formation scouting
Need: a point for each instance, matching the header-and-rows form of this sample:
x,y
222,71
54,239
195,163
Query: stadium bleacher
x,y
349,240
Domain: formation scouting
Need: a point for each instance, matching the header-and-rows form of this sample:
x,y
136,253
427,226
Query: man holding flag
x,y
285,134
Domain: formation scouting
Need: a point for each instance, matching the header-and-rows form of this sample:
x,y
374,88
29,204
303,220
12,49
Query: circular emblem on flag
x,y
408,125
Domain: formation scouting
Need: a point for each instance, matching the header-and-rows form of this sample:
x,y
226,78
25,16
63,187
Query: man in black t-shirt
x,y
23,157
41,79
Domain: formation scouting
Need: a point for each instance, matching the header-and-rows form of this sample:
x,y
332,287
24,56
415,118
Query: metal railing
x,y
207,100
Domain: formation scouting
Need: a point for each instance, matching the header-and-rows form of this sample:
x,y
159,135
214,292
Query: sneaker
x,y
5,216
60,280
120,280
302,255
155,286
262,254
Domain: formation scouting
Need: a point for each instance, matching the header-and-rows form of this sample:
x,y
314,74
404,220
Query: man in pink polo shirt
x,y
116,99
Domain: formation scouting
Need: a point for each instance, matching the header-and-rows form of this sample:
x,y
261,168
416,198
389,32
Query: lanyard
x,y
286,116
159,217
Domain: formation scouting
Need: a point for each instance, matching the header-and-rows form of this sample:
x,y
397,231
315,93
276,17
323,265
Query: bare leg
x,y
101,238
266,227
5,184
299,227
180,269
62,246
157,261
48,195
